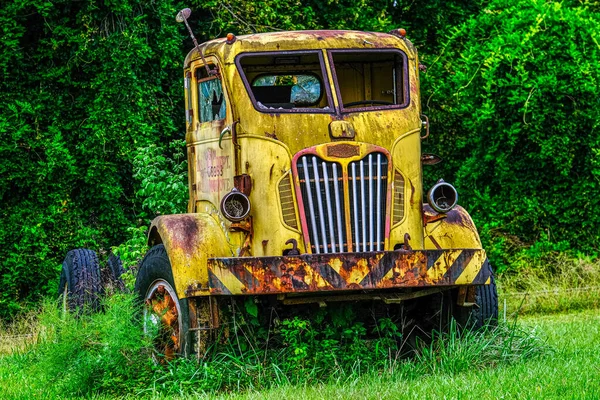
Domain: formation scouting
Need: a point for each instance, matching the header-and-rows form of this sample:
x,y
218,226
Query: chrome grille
x,y
322,190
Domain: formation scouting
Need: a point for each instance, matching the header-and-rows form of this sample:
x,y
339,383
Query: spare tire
x,y
80,280
115,269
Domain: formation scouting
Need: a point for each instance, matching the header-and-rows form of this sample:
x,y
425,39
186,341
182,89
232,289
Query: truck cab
x,y
305,184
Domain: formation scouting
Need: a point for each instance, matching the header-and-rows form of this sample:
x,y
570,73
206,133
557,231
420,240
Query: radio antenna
x,y
182,16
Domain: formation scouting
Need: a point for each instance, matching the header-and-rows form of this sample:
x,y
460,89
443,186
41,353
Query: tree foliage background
x,y
91,117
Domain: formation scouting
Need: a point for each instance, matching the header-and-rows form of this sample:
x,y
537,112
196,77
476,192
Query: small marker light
x,y
231,38
402,32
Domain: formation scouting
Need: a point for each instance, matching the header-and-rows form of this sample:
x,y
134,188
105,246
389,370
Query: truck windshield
x,y
285,81
296,81
369,79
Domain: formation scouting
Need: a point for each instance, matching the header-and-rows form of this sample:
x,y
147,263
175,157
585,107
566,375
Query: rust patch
x,y
183,231
271,135
243,183
459,216
343,150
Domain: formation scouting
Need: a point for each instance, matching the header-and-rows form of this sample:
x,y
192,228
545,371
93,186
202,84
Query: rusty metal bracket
x,y
294,250
245,225
428,219
466,296
406,245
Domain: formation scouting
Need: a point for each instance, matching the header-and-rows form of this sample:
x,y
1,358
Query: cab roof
x,y
300,40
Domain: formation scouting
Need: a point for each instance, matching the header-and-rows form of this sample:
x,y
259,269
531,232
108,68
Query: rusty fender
x,y
453,230
348,271
190,239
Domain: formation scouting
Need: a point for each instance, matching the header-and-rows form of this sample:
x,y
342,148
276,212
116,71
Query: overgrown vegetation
x,y
513,96
107,353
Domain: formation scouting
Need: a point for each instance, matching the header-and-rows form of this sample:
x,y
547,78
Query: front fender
x,y
453,230
190,240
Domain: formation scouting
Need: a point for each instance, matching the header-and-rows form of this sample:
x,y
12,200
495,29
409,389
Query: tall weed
x,y
549,283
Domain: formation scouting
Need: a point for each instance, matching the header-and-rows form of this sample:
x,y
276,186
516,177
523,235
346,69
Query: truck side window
x,y
211,99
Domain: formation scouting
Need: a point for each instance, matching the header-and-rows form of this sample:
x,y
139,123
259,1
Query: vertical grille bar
x,y
320,203
378,202
371,202
338,212
355,208
329,212
362,204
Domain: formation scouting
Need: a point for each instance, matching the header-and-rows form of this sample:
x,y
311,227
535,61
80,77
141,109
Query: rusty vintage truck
x,y
305,188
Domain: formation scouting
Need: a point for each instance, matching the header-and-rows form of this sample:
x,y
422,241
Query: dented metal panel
x,y
356,271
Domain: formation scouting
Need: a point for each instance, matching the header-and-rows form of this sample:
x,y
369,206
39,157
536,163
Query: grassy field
x,y
564,364
571,370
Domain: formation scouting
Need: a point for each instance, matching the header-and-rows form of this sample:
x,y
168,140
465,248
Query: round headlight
x,y
235,206
442,197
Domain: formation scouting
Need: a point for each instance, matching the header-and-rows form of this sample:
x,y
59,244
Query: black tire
x,y
115,265
80,280
485,311
115,268
155,271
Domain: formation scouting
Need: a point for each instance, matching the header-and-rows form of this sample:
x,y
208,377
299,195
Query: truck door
x,y
211,174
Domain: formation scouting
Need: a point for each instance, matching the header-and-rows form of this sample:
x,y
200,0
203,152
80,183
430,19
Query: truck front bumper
x,y
311,273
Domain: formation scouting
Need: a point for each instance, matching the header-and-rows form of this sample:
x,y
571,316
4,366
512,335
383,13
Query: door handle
x,y
224,132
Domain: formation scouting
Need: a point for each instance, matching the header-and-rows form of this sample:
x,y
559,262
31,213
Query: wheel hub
x,y
161,319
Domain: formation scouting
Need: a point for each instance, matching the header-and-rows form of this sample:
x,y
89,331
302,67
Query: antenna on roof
x,y
182,16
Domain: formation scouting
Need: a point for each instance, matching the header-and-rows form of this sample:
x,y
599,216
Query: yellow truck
x,y
305,188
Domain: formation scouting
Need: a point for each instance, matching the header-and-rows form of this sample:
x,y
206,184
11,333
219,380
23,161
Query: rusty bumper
x,y
348,271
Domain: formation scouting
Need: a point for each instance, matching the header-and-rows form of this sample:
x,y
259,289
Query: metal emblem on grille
x,y
343,150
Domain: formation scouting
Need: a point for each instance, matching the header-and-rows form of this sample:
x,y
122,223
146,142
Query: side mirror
x,y
182,16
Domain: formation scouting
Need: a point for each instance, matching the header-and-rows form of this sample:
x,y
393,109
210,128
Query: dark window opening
x,y
369,79
285,81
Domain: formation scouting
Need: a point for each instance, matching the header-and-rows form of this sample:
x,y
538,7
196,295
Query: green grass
x,y
571,371
554,283
549,357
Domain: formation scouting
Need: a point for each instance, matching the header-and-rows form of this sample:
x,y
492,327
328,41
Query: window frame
x,y
324,83
197,81
405,81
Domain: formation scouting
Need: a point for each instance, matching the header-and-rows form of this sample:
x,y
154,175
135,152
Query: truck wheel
x,y
484,312
165,316
80,281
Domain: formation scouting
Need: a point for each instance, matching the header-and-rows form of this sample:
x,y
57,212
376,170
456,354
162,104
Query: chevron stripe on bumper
x,y
348,271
